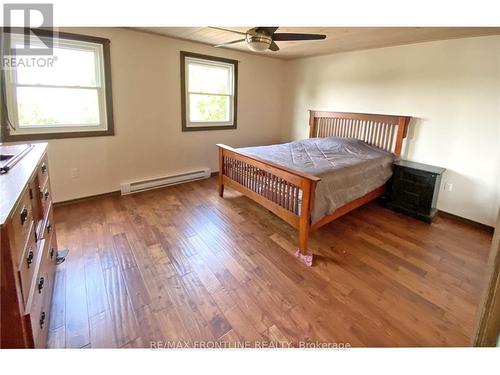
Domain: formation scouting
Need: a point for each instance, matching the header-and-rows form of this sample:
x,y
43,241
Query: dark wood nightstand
x,y
414,189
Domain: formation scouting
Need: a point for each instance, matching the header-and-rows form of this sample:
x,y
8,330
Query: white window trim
x,y
207,62
11,92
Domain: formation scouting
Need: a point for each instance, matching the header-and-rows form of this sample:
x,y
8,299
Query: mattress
x,y
349,168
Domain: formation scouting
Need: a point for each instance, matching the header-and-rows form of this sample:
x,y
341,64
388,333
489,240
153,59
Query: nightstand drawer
x,y
411,176
413,186
414,182
411,197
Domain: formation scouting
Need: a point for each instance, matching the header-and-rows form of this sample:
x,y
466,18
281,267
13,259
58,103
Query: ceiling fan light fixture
x,y
260,39
258,43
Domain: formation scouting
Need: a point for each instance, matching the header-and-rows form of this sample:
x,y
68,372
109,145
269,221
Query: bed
x,y
344,164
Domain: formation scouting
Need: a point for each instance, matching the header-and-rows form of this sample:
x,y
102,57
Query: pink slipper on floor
x,y
306,259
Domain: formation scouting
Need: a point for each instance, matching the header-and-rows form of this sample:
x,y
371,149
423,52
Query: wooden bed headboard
x,y
383,131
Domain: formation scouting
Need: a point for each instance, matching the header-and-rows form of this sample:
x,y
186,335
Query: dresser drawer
x,y
44,317
47,226
49,257
52,253
21,221
27,263
41,295
38,313
43,171
36,204
45,197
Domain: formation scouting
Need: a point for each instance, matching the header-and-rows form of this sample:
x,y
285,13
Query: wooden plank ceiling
x,y
339,39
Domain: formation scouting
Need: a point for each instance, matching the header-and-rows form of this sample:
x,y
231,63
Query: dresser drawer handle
x,y
41,281
42,319
49,227
52,253
29,258
24,215
43,168
46,194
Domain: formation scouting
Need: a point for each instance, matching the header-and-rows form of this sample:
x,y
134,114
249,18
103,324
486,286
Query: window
x,y
209,87
68,96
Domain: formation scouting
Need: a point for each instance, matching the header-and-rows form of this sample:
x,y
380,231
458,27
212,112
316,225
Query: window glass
x,y
72,67
209,79
206,108
41,106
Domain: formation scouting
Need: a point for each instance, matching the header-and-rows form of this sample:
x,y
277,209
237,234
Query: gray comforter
x,y
349,168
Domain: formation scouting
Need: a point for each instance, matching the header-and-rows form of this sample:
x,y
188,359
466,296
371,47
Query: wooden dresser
x,y
28,250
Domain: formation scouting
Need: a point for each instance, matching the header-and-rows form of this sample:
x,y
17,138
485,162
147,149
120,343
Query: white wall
x,y
451,88
147,110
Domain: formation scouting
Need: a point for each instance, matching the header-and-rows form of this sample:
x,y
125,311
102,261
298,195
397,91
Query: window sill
x,y
209,127
6,137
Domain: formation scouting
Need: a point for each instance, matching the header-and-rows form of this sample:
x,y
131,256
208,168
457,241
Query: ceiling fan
x,y
261,38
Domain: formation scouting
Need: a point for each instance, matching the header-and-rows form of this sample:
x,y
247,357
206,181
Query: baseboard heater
x,y
163,181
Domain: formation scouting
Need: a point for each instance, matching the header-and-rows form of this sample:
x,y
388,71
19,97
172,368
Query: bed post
x,y
312,130
303,253
402,130
221,172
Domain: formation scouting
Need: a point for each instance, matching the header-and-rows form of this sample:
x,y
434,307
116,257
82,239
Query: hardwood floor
x,y
183,266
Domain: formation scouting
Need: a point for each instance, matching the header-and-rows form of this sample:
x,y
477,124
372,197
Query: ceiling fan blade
x,y
297,36
229,43
266,30
230,31
274,47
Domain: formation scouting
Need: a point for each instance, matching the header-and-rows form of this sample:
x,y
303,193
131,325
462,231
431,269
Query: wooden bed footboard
x,y
287,193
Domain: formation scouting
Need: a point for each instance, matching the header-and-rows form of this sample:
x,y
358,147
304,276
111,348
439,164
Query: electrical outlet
x,y
448,186
74,172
